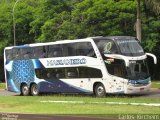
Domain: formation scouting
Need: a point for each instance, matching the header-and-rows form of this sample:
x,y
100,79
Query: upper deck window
x,y
130,47
107,46
127,47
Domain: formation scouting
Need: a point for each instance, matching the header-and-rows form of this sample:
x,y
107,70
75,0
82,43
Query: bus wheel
x,y
100,90
24,90
34,90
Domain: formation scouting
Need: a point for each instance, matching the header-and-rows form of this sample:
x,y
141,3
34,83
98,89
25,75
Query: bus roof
x,y
71,41
115,37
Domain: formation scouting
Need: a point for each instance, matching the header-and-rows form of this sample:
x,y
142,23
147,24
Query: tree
x,y
152,4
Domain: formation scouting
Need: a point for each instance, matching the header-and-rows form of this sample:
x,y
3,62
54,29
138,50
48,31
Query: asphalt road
x,y
154,93
7,93
15,116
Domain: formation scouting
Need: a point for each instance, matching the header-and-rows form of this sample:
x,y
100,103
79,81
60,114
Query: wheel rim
x,y
34,90
25,90
100,90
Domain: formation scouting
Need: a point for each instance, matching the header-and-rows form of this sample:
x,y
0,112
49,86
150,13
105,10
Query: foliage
x,y
51,20
154,5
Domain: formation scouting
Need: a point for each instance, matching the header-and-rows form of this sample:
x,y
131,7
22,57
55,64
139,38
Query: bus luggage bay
x,y
95,65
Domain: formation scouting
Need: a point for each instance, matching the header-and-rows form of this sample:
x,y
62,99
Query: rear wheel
x,y
24,90
34,90
100,90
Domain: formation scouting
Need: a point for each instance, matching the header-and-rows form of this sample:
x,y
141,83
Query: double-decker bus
x,y
95,65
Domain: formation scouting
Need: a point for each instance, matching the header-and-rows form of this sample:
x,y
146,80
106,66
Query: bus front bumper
x,y
141,89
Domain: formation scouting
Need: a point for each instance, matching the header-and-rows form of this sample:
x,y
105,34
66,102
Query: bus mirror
x,y
153,56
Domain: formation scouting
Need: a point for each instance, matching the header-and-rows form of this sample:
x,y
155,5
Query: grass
x,y
2,85
155,84
29,104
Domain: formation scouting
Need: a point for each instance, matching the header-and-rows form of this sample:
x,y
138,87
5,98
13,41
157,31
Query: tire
x,y
100,90
24,90
34,90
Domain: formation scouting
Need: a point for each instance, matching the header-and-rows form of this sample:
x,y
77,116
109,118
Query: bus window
x,y
26,53
71,72
130,47
40,52
85,49
49,73
71,49
55,51
116,67
16,54
86,72
107,46
9,55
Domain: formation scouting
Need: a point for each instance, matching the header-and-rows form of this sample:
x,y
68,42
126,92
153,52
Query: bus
x,y
94,65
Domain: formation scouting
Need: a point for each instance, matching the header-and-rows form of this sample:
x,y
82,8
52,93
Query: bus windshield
x,y
106,46
130,47
138,70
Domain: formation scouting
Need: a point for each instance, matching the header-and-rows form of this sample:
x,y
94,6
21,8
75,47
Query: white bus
x,y
97,65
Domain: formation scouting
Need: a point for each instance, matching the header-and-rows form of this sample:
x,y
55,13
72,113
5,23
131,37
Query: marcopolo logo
x,y
66,62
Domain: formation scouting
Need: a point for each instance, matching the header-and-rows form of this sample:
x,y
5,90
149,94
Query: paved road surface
x,y
154,93
15,116
7,93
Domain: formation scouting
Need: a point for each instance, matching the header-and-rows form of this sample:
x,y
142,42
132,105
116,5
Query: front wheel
x,y
34,90
100,90
24,90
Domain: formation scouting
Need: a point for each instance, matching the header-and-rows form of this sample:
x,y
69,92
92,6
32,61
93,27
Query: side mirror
x,y
153,56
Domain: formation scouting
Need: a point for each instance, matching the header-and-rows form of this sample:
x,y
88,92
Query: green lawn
x,y
2,85
29,104
155,84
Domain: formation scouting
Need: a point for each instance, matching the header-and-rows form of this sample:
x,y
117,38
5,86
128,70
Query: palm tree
x,y
154,5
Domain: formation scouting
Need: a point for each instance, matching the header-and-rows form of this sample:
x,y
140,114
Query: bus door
x,y
117,70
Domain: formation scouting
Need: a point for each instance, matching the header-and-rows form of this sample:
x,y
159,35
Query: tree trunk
x,y
138,23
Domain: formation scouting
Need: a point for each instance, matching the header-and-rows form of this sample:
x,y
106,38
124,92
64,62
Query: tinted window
x,y
50,73
16,53
85,49
116,67
71,49
130,47
71,73
9,54
55,51
68,73
106,46
85,72
79,49
26,53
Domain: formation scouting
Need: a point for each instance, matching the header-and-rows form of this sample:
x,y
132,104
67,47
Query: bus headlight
x,y
132,82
